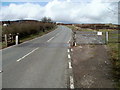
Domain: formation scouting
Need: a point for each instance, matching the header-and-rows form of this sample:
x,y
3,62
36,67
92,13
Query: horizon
x,y
88,11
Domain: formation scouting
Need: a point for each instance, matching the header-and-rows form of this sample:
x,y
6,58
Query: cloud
x,y
95,11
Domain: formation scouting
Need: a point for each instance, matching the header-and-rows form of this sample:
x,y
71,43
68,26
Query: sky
x,y
67,11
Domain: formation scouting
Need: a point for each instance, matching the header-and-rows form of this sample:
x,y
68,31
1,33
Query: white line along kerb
x,y
71,83
68,50
68,41
26,55
75,44
68,45
0,71
70,65
69,56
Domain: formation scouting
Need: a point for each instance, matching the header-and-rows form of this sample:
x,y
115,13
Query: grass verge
x,y
30,37
115,59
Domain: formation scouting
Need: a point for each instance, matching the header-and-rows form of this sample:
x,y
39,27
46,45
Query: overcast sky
x,y
69,11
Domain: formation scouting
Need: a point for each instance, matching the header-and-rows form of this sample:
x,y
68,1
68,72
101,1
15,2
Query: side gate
x,y
89,37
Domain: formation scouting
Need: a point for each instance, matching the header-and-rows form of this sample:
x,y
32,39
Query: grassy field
x,y
101,30
75,28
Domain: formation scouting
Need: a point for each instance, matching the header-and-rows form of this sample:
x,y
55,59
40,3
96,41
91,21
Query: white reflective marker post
x,y
106,37
16,39
6,39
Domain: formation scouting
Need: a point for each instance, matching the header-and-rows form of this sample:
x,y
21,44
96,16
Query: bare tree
x,y
45,19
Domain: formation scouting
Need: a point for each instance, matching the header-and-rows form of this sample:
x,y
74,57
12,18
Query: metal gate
x,y
89,37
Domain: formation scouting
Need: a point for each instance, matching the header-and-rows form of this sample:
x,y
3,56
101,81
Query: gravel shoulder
x,y
91,67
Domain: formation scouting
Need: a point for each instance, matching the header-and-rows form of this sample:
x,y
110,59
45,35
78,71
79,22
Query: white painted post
x,y
6,39
16,39
75,44
107,37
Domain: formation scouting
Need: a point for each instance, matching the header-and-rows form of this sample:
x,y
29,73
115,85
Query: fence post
x,y
107,37
6,40
16,39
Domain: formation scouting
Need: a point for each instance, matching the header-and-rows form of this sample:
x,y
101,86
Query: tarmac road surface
x,y
39,63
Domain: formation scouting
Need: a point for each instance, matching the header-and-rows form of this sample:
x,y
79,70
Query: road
x,y
39,63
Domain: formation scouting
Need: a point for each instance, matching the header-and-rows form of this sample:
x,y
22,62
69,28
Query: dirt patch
x,y
91,67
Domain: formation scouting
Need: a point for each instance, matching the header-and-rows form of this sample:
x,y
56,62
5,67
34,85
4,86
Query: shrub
x,y
27,28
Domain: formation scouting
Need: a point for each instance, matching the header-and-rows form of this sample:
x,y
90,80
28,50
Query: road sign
x,y
99,33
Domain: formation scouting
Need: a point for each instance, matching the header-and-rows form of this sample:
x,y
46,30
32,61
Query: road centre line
x,y
27,55
50,39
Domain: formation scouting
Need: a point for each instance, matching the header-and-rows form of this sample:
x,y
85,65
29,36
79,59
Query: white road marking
x,y
68,41
50,39
0,71
70,66
68,50
75,44
68,45
26,55
71,83
69,56
71,49
27,41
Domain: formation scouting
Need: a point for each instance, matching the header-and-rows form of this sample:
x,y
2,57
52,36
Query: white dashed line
x,y
68,45
75,44
0,71
26,55
70,66
71,49
69,56
68,50
71,83
50,39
